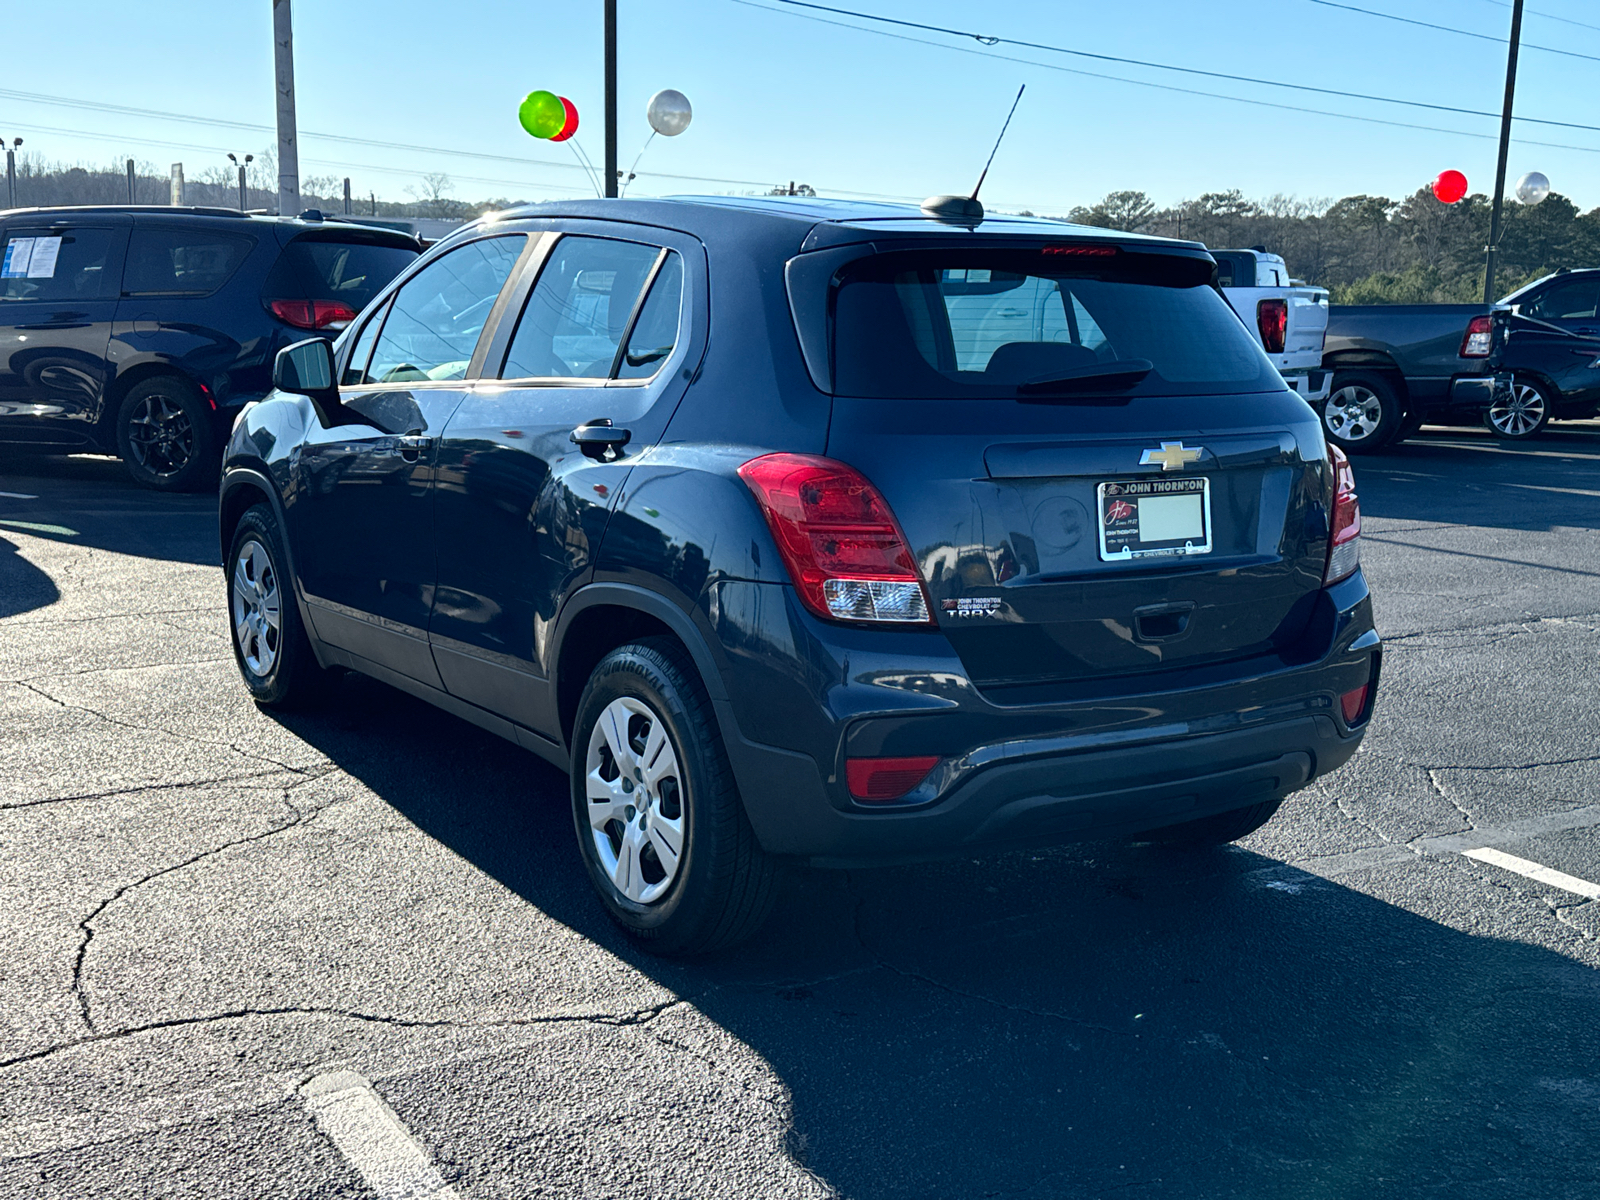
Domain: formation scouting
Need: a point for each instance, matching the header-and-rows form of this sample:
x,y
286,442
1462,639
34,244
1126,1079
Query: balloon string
x,y
624,190
583,161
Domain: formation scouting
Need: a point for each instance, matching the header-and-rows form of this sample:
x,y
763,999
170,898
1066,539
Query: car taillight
x,y
1272,319
842,546
312,314
1353,704
1344,540
1475,342
887,778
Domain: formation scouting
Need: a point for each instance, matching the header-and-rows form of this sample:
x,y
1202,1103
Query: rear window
x,y
1007,323
182,262
350,272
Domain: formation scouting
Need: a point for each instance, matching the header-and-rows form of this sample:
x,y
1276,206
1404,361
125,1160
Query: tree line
x,y
1372,249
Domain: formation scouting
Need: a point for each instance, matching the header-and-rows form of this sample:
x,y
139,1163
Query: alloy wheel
x,y
1353,413
257,608
636,804
160,435
1518,411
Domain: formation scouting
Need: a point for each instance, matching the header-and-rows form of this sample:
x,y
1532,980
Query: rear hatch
x,y
326,276
1098,470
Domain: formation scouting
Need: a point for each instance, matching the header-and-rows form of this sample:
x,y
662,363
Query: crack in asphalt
x,y
1525,625
1438,789
191,662
147,787
639,1016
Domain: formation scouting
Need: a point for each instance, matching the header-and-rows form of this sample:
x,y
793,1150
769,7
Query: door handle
x,y
412,445
601,440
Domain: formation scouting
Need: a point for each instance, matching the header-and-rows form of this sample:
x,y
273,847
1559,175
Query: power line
x,y
1163,87
1536,12
1482,37
993,40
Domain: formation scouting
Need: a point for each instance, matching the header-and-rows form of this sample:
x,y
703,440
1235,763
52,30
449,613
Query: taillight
x,y
1475,342
1352,704
1272,319
887,778
842,546
312,314
1344,541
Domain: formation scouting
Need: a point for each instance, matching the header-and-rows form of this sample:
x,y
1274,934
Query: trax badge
x,y
1172,456
972,606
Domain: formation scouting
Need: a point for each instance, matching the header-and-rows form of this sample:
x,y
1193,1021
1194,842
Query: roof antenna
x,y
963,210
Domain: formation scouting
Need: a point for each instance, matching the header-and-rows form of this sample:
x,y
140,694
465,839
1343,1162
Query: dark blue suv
x,y
813,531
142,331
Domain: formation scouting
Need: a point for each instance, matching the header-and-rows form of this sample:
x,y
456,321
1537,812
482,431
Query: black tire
x,y
724,884
292,678
1521,412
1219,829
166,435
1363,412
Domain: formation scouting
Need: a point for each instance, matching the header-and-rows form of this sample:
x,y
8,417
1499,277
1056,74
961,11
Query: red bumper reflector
x,y
1354,704
887,778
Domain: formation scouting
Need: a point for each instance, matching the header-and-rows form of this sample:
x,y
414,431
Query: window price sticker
x,y
30,258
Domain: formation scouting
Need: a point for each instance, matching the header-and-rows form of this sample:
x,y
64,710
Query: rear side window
x,y
987,323
1572,301
57,264
437,315
580,308
181,262
350,272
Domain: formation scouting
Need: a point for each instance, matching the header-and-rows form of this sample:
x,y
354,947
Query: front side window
x,y
437,316
355,369
181,262
56,265
1574,301
580,308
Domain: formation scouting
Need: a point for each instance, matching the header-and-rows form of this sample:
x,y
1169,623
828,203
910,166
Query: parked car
x,y
1288,317
1546,355
142,331
798,530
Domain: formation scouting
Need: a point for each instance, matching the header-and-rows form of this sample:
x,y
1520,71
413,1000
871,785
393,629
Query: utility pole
x,y
288,140
611,98
11,171
1505,148
176,195
347,195
130,181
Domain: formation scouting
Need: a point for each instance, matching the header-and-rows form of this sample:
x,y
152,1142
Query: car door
x,y
361,512
58,295
599,343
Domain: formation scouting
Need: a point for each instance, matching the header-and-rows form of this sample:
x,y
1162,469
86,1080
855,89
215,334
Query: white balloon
x,y
1532,187
669,113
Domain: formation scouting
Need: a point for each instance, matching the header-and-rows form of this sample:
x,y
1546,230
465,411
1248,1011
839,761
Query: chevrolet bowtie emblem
x,y
1172,456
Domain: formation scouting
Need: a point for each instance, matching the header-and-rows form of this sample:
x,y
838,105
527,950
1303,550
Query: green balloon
x,y
542,114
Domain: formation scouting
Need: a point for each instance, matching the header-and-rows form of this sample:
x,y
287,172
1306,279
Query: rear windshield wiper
x,y
1123,373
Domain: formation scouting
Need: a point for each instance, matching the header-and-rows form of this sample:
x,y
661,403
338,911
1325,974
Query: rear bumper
x,y
1312,386
1035,774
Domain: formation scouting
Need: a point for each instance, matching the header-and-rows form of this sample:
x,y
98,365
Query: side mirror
x,y
306,369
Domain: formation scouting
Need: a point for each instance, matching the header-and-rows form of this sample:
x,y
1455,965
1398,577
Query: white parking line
x,y
1560,879
18,496
347,1108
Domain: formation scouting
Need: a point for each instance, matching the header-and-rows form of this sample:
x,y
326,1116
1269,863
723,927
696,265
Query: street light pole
x,y
1505,148
611,98
248,158
288,141
11,171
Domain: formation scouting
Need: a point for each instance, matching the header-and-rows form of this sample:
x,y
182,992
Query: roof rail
x,y
197,209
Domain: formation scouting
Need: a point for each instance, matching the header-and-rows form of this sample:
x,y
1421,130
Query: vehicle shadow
x,y
1455,476
88,500
1086,1021
23,586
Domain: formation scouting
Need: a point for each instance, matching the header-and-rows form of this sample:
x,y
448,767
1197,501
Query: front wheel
x,y
165,435
1219,829
1363,412
659,821
269,643
1520,411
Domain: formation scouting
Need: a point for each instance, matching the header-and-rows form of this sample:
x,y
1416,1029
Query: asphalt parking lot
x,y
353,953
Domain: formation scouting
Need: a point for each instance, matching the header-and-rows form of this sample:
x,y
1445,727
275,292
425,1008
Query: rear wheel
x,y
165,435
1219,829
659,821
269,642
1521,411
1363,411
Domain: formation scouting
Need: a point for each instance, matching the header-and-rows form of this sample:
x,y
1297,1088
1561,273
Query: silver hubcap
x,y
1518,412
636,802
1353,413
160,436
257,608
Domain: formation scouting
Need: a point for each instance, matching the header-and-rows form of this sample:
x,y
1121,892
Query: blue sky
x,y
779,96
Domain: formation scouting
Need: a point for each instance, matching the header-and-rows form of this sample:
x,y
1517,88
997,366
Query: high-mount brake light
x,y
1480,333
1081,251
1272,319
839,540
1344,533
313,314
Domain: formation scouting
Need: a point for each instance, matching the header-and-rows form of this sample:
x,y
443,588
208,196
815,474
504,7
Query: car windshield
x,y
984,324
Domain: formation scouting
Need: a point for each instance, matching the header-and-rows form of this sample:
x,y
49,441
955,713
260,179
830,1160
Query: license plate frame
x,y
1121,538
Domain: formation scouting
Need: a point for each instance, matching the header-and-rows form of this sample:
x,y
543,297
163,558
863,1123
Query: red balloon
x,y
1449,187
571,126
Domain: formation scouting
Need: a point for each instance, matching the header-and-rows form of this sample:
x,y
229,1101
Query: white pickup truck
x,y
1288,318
